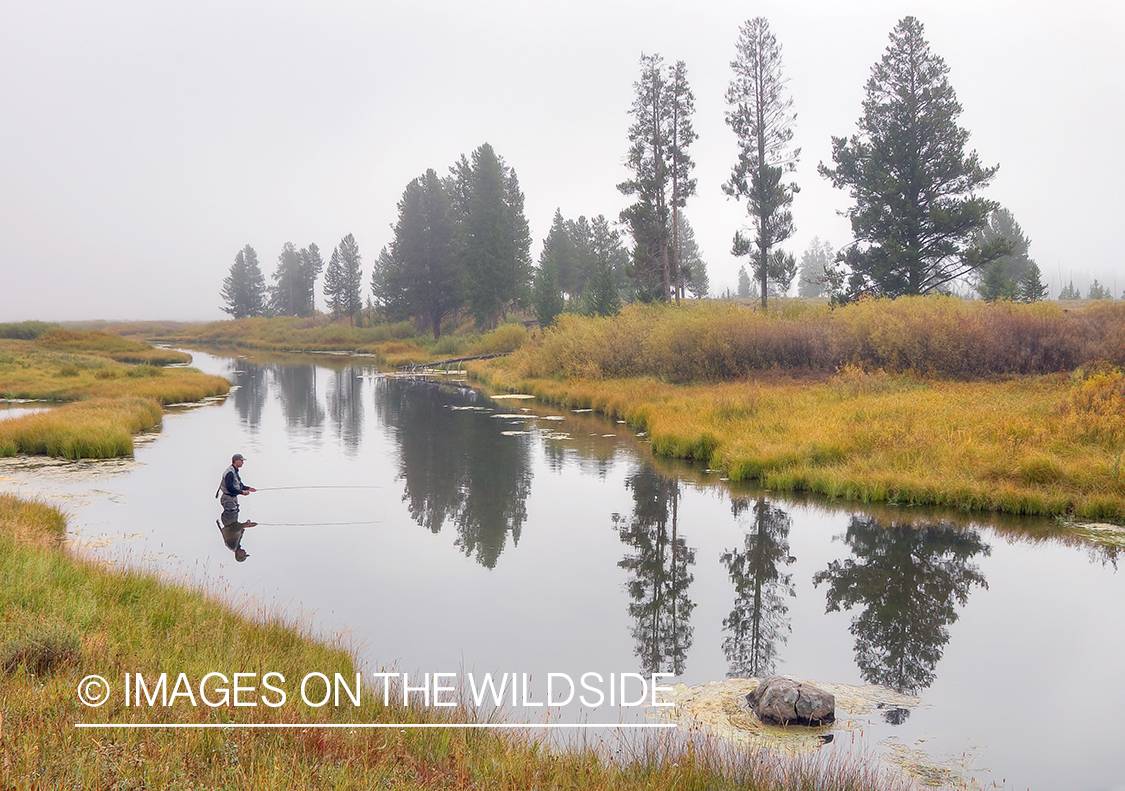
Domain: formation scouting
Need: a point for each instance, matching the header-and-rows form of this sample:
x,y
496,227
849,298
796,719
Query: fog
x,y
145,143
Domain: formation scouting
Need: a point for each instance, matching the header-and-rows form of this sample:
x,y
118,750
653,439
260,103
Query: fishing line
x,y
283,488
317,524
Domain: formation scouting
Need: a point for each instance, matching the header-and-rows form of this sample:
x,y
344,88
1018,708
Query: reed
x,y
66,618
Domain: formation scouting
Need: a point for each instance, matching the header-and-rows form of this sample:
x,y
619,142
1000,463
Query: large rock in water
x,y
782,701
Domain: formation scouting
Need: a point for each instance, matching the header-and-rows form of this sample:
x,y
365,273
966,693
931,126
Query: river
x,y
434,530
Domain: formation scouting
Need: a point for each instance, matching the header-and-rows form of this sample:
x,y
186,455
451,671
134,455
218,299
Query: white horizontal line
x,y
355,725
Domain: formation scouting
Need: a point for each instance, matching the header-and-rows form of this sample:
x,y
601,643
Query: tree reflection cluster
x,y
460,465
904,581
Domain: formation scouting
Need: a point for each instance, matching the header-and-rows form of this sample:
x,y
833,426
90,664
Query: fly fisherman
x,y
232,485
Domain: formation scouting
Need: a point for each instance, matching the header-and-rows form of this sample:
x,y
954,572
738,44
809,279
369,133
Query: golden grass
x,y
391,344
98,428
1031,445
109,401
931,336
66,619
123,350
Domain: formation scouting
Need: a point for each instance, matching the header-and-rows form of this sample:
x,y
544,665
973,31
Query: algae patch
x,y
720,708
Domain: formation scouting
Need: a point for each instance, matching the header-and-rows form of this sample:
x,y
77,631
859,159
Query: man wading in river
x,y
232,485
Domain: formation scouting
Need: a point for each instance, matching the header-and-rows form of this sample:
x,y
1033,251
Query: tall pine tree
x,y
914,188
762,118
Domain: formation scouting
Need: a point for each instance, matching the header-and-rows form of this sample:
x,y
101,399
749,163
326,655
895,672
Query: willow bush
x,y
932,336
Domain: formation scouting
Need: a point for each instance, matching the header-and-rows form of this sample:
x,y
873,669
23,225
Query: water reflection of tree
x,y
908,579
458,465
345,405
659,570
250,392
759,619
297,391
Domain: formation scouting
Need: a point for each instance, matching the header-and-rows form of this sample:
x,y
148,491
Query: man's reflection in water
x,y
232,531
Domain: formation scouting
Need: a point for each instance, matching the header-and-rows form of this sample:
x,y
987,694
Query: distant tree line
x,y
461,244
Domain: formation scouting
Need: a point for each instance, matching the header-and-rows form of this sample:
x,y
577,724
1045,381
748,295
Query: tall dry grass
x,y
104,402
123,350
97,428
1006,408
931,336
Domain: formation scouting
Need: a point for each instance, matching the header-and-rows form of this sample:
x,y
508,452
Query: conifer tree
x,y
343,280
762,118
244,289
547,296
427,273
914,188
659,136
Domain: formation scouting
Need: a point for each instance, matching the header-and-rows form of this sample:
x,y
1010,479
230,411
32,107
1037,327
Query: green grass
x,y
65,619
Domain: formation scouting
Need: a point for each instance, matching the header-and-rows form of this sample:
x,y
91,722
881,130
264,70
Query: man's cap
x,y
237,457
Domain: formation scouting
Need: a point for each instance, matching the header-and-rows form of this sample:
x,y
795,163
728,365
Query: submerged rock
x,y
782,701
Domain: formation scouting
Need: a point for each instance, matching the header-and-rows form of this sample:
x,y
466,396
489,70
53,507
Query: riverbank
x,y
105,389
390,344
67,619
880,406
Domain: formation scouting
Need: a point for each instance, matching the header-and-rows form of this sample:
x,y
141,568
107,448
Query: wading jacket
x,y
231,484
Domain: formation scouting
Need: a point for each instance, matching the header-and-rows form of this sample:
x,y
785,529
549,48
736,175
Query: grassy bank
x,y
66,619
390,344
905,402
104,401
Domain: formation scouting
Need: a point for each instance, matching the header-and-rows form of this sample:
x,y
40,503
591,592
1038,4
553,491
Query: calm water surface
x,y
437,530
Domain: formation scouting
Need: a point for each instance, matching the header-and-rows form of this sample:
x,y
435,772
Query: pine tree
x,y
1098,291
762,118
547,296
285,295
743,282
494,240
601,295
344,294
244,288
659,137
309,271
427,271
1031,287
1070,292
691,268
333,278
815,263
914,188
1001,278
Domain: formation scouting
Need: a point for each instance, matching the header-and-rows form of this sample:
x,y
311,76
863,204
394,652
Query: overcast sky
x,y
144,143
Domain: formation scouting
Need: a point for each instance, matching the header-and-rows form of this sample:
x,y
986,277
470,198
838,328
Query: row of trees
x,y
462,242
245,293
917,219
